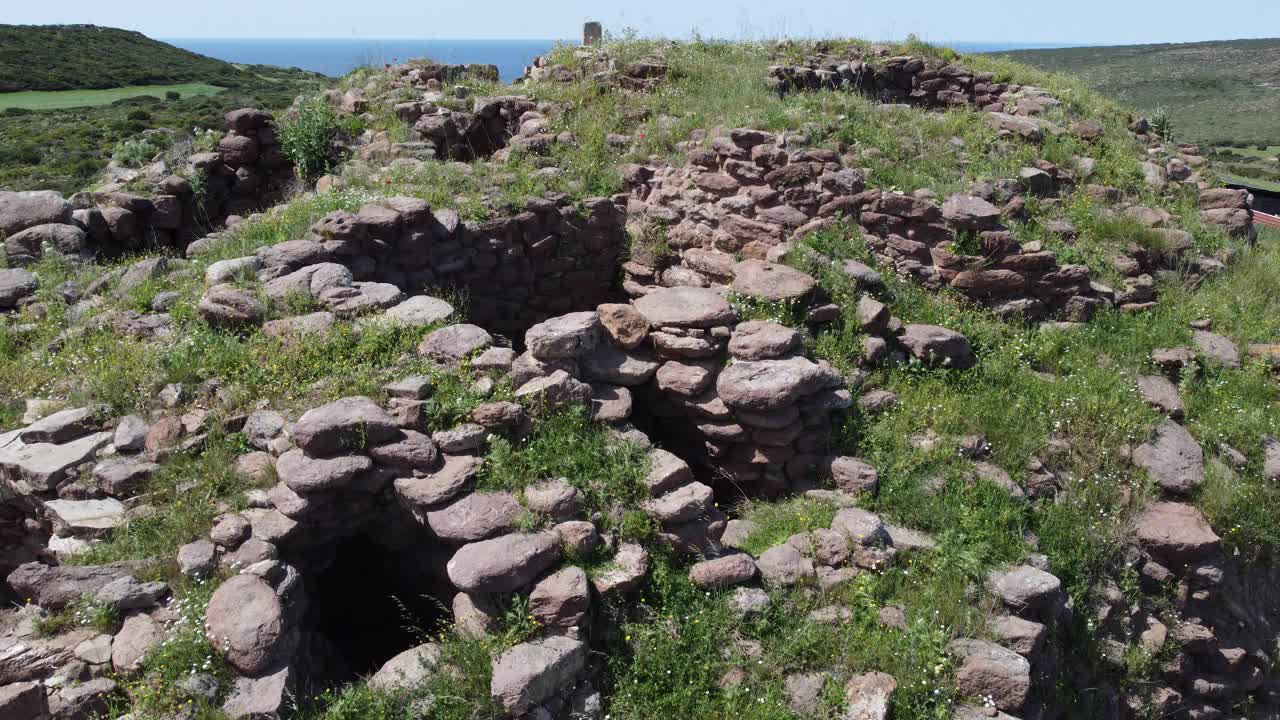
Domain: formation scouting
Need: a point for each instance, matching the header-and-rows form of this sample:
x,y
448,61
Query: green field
x,y
1214,91
62,99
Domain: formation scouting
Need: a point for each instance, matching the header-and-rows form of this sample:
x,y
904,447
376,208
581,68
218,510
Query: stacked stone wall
x,y
513,271
751,192
247,172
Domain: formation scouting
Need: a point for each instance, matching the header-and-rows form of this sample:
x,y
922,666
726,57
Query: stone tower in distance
x,y
591,33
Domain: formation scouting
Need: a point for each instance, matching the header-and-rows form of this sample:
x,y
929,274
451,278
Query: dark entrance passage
x,y
369,605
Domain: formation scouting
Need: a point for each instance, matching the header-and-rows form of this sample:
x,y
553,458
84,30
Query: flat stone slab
x,y
771,282
685,307
1216,348
1175,531
1161,394
41,466
87,518
417,311
1172,458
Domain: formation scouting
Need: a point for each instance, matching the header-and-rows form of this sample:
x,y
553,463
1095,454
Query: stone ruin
x,y
246,173
367,493
912,80
444,126
513,271
750,193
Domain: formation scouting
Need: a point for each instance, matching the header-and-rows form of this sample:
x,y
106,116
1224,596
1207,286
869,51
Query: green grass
x,y
63,99
1213,90
568,444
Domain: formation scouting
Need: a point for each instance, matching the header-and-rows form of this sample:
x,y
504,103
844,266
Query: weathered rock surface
x,y
503,564
246,622
988,670
1172,458
531,672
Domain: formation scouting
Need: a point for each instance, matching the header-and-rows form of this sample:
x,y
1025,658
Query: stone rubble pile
x,y
599,66
444,124
248,171
68,479
515,270
751,192
918,81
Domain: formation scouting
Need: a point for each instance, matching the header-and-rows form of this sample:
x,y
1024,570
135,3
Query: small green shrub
x,y
1162,124
307,138
134,153
172,95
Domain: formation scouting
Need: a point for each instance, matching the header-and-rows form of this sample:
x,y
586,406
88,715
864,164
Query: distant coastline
x,y
337,56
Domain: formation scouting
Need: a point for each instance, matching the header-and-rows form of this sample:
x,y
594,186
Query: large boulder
x,y
623,324
351,423
990,671
305,474
475,516
1175,532
532,672
784,566
938,346
246,622
63,426
967,212
869,696
22,210
23,701
561,599
628,568
762,340
53,588
503,564
15,284
41,466
722,572
231,308
454,343
567,336
417,311
28,246
138,635
408,670
767,385
1025,588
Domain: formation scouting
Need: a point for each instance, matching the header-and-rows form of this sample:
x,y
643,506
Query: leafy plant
x,y
307,137
134,153
1162,123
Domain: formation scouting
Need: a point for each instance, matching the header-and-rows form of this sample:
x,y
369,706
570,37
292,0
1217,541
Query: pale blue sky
x,y
1027,21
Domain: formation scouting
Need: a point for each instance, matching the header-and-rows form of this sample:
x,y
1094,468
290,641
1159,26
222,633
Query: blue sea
x,y
338,56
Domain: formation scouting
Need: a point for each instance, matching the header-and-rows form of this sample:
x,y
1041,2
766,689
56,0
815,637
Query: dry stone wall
x,y
750,192
445,123
247,172
514,270
913,80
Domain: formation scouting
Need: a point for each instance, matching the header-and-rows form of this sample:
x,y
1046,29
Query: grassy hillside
x,y
62,99
1214,91
78,57
77,92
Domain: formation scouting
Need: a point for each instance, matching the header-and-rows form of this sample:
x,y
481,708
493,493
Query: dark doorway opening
x,y
370,604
